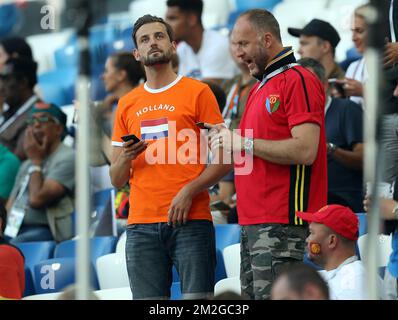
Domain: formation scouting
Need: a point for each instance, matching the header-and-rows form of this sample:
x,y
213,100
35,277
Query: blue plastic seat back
x,y
256,4
29,285
227,234
54,275
36,251
99,246
175,291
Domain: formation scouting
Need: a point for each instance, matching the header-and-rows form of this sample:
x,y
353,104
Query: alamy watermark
x,y
47,21
185,146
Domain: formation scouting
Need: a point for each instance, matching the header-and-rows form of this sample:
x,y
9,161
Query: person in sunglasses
x,y
41,203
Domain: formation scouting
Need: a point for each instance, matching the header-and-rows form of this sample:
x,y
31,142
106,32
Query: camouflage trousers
x,y
266,249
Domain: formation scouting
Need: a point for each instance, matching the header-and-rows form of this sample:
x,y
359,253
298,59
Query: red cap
x,y
340,219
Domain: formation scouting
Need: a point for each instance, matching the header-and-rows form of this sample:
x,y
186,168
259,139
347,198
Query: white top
x,y
357,70
347,282
213,59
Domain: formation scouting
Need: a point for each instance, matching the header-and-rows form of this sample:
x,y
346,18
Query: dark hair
x,y
316,66
218,93
299,275
263,21
23,68
150,19
17,46
3,217
126,61
191,6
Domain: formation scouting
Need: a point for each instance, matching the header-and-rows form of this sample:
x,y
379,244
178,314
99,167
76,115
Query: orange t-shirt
x,y
176,153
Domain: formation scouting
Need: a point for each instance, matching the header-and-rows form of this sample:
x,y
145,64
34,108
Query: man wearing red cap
x,y
331,244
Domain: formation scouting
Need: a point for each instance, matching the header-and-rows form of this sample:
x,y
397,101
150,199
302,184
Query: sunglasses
x,y
43,119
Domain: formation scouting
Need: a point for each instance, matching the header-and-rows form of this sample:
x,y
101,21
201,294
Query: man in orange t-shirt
x,y
169,219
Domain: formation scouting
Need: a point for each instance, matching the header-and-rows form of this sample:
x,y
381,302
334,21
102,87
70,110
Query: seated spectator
x,y
300,282
318,40
331,244
344,136
9,165
203,53
12,272
17,80
41,203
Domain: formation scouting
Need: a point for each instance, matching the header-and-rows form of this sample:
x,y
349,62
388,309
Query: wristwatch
x,y
395,212
248,145
331,148
34,168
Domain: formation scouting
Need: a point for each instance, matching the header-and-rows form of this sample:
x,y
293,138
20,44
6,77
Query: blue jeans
x,y
152,249
33,233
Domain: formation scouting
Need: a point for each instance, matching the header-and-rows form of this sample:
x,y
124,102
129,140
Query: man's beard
x,y
159,59
261,63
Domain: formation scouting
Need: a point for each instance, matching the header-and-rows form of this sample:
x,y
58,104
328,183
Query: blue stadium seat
x,y
363,223
65,79
54,275
36,251
256,4
29,285
99,247
53,93
175,291
100,198
226,234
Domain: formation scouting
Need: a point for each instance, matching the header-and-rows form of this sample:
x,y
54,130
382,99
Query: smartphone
x,y
130,137
220,205
202,125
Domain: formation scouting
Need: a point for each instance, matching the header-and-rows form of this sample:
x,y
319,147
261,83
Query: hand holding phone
x,y
130,137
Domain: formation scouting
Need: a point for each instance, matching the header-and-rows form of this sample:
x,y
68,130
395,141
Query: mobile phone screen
x,y
130,137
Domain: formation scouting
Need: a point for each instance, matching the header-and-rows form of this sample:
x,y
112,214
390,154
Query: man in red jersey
x,y
282,128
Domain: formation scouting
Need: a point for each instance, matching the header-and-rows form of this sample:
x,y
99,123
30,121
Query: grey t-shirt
x,y
60,167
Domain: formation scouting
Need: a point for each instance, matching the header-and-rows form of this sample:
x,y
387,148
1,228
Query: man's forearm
x,y
350,159
287,152
120,172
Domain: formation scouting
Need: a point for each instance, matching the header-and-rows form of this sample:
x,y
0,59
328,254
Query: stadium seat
x,y
231,256
383,248
112,271
99,246
228,285
256,4
175,291
54,275
29,285
54,93
114,294
363,223
36,251
226,234
121,244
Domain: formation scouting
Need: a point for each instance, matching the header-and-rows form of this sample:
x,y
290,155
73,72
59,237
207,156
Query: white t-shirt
x,y
347,282
357,71
213,59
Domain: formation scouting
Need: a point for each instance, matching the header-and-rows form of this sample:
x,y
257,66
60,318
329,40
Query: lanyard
x,y
231,109
276,72
20,111
392,30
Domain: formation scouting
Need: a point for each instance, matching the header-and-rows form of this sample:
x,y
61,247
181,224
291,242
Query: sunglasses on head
x,y
42,119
